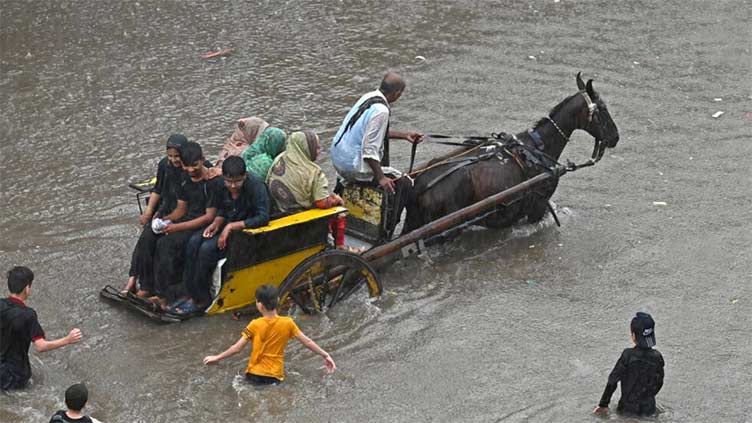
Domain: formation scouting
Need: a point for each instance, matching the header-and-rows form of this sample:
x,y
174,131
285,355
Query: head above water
x,y
267,296
596,119
271,142
392,86
193,159
234,174
76,397
233,167
643,330
304,145
312,141
175,144
19,278
177,141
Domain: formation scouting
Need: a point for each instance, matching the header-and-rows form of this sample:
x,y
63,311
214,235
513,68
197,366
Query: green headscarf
x,y
260,155
295,181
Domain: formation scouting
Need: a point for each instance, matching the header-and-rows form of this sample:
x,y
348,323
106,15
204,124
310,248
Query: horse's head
x,y
596,120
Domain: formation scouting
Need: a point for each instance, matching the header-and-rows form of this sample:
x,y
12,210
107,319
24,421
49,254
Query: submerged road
x,y
518,325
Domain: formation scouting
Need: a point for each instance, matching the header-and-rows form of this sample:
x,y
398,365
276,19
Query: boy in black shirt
x,y
75,399
640,371
162,201
196,208
19,327
244,203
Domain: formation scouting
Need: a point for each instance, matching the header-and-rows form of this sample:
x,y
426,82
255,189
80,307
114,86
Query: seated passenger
x,y
198,197
260,156
244,204
297,183
162,201
246,132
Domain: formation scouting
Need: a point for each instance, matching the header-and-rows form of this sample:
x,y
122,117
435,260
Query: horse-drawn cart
x,y
293,252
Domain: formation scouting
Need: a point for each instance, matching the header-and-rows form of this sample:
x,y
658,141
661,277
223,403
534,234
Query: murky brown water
x,y
495,326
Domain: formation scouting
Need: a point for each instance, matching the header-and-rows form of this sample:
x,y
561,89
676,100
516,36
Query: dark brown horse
x,y
507,161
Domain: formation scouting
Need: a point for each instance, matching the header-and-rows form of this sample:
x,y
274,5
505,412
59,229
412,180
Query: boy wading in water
x,y
269,335
19,328
75,400
640,371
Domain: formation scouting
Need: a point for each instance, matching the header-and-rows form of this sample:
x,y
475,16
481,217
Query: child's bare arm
x,y
328,362
192,224
150,208
73,336
179,211
234,349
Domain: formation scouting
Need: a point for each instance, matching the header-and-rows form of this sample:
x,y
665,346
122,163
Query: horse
x,y
501,162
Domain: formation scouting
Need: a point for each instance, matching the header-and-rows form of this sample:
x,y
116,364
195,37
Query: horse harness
x,y
527,157
502,146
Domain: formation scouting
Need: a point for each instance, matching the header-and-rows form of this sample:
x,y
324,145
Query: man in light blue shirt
x,y
359,147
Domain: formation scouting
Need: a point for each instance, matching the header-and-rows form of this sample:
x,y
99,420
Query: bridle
x,y
592,108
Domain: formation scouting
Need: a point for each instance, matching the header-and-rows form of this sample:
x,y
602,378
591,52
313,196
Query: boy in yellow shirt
x,y
269,335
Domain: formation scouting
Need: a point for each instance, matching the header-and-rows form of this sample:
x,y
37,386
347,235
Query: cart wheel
x,y
324,279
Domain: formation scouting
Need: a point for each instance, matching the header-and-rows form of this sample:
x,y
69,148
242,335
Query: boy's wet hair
x,y
19,278
233,166
267,295
191,153
76,397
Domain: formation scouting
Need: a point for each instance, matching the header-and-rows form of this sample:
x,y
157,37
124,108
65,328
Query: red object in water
x,y
223,52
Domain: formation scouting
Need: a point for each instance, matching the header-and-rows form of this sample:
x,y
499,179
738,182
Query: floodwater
x,y
516,325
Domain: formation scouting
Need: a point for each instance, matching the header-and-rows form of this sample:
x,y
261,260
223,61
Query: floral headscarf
x,y
260,156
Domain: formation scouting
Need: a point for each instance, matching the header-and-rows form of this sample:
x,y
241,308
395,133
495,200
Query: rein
x,y
427,168
535,154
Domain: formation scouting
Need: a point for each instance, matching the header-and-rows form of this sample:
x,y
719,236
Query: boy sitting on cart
x,y
243,203
198,198
162,202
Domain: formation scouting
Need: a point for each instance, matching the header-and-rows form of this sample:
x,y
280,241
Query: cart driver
x,y
360,149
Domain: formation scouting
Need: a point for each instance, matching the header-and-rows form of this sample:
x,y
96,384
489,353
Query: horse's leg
x,y
536,208
538,202
413,216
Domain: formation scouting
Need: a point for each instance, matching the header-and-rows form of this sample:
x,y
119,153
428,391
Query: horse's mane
x,y
554,110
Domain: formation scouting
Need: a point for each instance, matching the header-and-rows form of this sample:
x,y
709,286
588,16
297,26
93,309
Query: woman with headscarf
x,y
259,157
297,183
246,131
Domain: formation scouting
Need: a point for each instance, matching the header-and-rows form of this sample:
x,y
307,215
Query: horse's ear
x,y
590,90
580,84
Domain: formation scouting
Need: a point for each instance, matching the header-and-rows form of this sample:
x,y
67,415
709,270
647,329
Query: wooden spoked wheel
x,y
324,279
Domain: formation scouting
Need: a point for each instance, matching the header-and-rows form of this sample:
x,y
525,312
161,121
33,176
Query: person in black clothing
x,y
19,327
162,201
198,197
244,203
640,371
75,400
